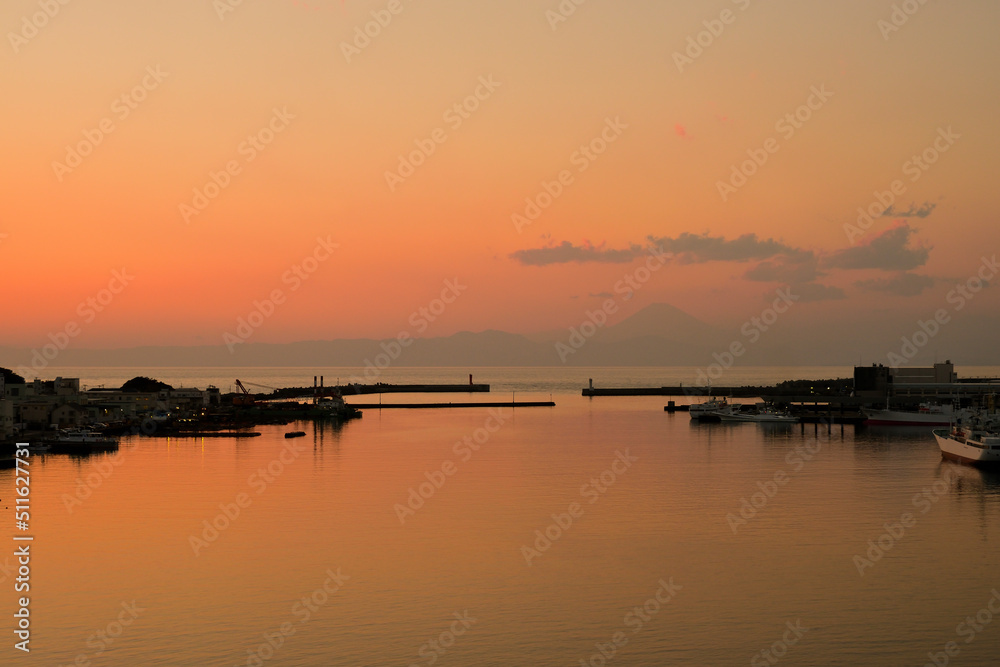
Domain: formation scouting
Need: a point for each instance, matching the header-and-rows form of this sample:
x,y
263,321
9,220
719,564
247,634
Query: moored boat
x,y
929,414
709,410
334,407
81,441
761,413
975,440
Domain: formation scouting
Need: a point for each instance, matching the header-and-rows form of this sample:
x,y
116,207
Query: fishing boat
x,y
709,410
975,439
334,407
81,441
761,413
295,434
929,414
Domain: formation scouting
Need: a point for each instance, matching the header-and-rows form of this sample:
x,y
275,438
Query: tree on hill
x,y
145,385
10,377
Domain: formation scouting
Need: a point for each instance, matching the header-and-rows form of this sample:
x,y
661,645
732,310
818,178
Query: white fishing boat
x,y
974,440
83,437
929,414
81,441
761,413
709,410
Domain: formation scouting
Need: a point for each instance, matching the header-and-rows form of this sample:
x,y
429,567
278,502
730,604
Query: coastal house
x,y
34,414
104,413
13,391
131,403
187,399
68,415
136,404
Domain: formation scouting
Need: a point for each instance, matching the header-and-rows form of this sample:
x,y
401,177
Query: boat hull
x,y
969,453
735,414
900,418
708,411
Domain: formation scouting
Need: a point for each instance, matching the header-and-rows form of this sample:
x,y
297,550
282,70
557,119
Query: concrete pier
x,y
419,406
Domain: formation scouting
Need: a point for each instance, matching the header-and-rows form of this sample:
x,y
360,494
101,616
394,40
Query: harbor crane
x,y
262,386
246,399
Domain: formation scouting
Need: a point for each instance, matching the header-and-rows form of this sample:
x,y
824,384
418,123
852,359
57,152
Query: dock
x,y
809,409
209,434
415,389
419,406
377,388
693,391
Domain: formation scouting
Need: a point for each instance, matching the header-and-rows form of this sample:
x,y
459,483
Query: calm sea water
x,y
653,562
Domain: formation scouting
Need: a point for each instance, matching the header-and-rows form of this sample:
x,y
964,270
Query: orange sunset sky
x,y
199,79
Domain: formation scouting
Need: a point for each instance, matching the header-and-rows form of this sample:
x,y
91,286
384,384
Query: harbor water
x,y
602,531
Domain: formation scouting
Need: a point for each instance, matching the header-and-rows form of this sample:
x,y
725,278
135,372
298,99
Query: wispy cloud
x,y
567,252
687,249
695,248
914,211
889,251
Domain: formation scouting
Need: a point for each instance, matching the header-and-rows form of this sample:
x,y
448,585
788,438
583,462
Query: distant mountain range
x,y
658,335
